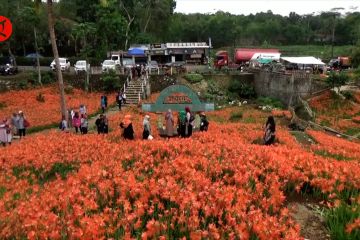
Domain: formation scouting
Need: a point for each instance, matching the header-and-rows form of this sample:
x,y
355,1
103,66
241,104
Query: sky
x,y
282,7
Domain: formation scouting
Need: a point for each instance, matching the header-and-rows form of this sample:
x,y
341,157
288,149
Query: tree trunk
x,y
127,32
13,62
37,57
56,56
23,47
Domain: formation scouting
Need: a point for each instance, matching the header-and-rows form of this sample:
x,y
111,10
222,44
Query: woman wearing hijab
x,y
147,127
182,123
269,136
126,124
169,121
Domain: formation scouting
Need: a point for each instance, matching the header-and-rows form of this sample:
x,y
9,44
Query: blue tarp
x,y
136,52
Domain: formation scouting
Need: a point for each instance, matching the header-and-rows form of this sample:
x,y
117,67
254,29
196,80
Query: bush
x,y
336,80
268,101
2,105
194,77
243,90
110,82
348,95
236,116
48,77
69,89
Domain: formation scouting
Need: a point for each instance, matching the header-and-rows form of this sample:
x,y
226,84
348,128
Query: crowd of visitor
x,y
17,125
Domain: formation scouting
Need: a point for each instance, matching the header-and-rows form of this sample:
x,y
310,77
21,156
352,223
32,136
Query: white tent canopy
x,y
303,60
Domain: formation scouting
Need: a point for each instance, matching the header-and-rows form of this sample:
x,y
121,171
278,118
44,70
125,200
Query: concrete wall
x,y
285,87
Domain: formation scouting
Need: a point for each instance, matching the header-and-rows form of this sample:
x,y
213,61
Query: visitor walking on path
x,y
76,122
147,128
106,125
119,100
204,123
270,127
189,122
84,124
23,124
124,97
103,104
169,121
126,124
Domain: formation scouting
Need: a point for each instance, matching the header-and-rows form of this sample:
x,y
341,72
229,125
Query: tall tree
x,y
56,56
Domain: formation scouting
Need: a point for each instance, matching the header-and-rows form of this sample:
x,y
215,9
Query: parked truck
x,y
243,56
339,63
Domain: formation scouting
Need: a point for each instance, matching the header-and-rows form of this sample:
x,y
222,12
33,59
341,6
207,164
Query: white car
x,y
64,64
81,66
153,65
128,63
108,65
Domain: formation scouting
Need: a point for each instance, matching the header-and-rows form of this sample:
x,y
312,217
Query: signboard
x,y
176,98
186,51
195,56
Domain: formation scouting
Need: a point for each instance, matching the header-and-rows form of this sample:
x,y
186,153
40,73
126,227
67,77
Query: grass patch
x,y
42,176
249,120
42,128
325,123
303,138
2,192
236,116
352,131
194,77
326,154
217,119
338,218
268,101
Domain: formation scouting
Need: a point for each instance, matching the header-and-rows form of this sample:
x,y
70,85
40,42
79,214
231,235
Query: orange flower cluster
x,y
215,185
334,145
48,112
282,113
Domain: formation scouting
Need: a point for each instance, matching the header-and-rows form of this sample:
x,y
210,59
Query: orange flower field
x,y
47,112
214,185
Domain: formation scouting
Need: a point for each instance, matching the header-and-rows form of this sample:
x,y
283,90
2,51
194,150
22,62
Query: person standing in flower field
x,y
204,123
84,124
63,124
100,124
269,135
76,122
169,121
82,109
147,128
5,132
189,122
126,124
124,97
14,123
23,124
182,123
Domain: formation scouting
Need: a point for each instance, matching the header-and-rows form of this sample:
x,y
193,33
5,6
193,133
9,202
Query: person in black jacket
x,y
100,124
126,124
204,123
269,135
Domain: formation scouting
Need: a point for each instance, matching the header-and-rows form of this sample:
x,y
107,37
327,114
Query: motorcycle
x,y
8,70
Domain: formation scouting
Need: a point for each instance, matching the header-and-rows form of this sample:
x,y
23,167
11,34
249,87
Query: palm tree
x,y
56,56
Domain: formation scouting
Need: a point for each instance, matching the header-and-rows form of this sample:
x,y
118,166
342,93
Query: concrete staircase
x,y
132,92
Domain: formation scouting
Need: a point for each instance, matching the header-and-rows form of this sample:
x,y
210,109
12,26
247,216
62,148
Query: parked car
x,y
34,55
152,65
64,64
128,63
108,65
81,66
175,64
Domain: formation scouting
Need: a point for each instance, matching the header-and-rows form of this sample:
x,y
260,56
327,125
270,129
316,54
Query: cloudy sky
x,y
283,7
